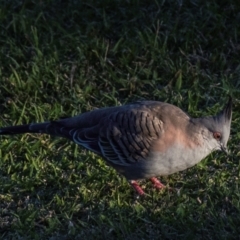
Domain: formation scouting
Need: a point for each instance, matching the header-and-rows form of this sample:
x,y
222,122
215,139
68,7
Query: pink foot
x,y
156,183
137,187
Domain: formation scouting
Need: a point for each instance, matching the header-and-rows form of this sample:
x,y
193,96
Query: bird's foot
x,y
156,183
137,187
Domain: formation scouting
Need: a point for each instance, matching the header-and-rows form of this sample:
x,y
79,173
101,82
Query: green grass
x,y
61,58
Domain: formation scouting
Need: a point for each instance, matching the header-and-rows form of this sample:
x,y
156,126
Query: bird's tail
x,y
60,128
27,128
55,128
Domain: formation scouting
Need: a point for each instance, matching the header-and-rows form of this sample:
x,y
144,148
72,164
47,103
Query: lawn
x,y
61,58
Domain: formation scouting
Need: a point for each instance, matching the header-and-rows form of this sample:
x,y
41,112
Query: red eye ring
x,y
217,135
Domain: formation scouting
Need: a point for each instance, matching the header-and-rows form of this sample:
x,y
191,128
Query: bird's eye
x,y
217,136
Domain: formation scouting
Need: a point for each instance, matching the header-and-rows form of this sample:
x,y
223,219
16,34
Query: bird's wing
x,y
122,135
129,136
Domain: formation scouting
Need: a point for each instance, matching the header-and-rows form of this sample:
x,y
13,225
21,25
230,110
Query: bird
x,y
143,139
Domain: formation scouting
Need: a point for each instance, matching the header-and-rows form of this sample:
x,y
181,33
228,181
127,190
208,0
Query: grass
x,y
61,58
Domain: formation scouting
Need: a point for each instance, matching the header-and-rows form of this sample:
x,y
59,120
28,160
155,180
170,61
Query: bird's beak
x,y
224,149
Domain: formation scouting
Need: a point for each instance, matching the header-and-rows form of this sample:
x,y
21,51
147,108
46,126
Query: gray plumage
x,y
143,139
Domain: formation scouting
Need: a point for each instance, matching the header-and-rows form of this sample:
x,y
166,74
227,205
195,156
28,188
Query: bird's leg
x,y
156,183
137,187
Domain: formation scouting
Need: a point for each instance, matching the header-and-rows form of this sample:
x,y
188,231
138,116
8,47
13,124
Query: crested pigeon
x,y
141,140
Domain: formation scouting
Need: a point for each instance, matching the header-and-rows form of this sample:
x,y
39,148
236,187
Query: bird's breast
x,y
176,158
177,136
